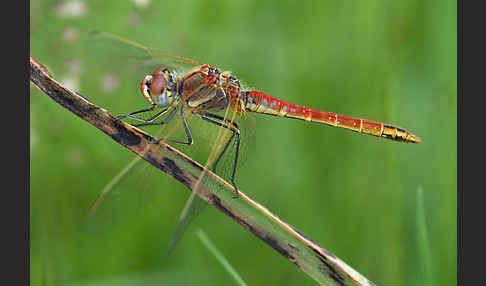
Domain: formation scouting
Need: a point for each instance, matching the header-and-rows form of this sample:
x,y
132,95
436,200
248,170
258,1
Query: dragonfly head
x,y
159,88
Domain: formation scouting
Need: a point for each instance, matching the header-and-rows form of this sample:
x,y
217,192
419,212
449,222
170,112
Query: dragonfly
x,y
217,97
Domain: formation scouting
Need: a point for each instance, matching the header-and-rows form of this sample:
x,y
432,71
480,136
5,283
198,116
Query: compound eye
x,y
159,81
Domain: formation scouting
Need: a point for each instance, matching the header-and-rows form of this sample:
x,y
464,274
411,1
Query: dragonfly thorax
x,y
209,89
159,88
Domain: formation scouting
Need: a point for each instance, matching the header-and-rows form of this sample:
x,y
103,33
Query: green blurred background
x,y
355,195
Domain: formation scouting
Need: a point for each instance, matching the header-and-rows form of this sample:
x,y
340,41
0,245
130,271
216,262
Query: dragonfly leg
x,y
131,115
236,131
150,120
186,129
221,118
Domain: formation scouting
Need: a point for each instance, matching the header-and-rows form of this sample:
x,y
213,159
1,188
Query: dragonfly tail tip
x,y
413,139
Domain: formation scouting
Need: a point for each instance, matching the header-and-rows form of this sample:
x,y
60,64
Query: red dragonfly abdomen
x,y
260,102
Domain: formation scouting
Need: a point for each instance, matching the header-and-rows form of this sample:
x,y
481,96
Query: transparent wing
x,y
110,47
224,154
135,186
193,207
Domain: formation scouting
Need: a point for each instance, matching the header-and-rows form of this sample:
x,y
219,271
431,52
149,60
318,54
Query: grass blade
x,y
219,256
424,256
